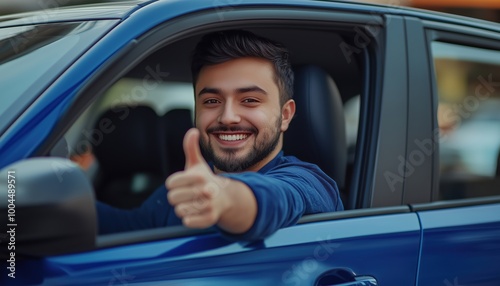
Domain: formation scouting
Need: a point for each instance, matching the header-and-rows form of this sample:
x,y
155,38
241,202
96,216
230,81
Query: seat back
x,y
130,154
317,132
176,123
497,174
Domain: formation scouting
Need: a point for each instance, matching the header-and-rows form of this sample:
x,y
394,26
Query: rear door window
x,y
468,114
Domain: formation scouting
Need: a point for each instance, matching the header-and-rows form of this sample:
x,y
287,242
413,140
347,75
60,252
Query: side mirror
x,y
48,208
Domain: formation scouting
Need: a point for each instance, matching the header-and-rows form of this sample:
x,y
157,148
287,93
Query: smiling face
x,y
239,115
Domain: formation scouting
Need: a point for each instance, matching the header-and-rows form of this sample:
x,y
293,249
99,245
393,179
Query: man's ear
x,y
287,113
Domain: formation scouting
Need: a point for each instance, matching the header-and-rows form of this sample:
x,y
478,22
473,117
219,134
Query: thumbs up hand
x,y
192,149
197,194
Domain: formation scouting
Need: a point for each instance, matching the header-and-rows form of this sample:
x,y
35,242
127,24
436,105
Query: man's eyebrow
x,y
252,88
209,90
213,90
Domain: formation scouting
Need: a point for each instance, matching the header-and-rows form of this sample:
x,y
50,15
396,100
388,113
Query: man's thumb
x,y
192,148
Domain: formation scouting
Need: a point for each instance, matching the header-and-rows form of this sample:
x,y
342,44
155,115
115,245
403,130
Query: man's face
x,y
239,115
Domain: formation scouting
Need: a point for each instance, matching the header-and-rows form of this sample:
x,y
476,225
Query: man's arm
x,y
285,194
154,212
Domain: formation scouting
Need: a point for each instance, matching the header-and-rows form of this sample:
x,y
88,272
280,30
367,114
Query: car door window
x,y
468,116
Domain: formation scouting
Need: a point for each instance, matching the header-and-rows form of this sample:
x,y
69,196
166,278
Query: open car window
x,y
130,139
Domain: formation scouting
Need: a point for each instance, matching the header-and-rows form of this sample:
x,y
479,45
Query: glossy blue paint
x,y
461,246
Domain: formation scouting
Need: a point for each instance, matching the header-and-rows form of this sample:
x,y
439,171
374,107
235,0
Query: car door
x,y
461,227
376,245
374,248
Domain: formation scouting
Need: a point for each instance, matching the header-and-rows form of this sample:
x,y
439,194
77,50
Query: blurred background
x,y
483,9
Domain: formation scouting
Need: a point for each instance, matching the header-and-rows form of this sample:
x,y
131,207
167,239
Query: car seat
x,y
176,123
317,132
497,174
131,155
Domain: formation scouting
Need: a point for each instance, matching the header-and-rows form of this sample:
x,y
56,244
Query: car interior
x,y
130,138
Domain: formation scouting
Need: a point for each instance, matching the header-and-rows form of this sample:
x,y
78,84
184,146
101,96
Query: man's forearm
x,y
242,211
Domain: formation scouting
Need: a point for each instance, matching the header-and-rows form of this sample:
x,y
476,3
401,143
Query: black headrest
x,y
128,140
317,132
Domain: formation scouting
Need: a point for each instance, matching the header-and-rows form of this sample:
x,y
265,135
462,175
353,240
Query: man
x,y
243,104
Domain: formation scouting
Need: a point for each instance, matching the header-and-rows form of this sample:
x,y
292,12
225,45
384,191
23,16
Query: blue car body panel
x,y
461,246
385,247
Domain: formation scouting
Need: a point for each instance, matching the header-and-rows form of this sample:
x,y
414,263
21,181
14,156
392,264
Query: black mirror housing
x,y
47,208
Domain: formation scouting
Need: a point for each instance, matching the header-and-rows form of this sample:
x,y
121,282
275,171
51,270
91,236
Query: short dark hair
x,y
219,47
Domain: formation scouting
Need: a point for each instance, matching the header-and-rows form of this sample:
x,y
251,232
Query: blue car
x,y
95,100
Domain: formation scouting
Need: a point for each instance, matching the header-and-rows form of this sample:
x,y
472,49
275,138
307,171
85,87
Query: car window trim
x,y
455,203
389,140
420,183
461,35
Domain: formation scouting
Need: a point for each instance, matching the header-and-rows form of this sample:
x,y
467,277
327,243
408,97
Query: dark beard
x,y
232,165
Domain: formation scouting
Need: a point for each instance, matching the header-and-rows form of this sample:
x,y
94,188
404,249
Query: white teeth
x,y
236,137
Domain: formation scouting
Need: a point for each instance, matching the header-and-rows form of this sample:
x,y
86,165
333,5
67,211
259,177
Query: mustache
x,y
223,128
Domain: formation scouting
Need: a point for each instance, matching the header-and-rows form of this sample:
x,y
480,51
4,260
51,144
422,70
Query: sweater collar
x,y
273,163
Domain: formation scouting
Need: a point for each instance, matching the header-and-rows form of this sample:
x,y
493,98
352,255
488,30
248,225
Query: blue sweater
x,y
285,189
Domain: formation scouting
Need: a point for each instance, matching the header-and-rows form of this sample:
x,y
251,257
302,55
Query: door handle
x,y
344,277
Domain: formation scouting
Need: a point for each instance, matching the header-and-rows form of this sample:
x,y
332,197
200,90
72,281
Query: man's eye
x,y
250,100
211,101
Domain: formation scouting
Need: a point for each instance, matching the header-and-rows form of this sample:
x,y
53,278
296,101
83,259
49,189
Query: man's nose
x,y
229,114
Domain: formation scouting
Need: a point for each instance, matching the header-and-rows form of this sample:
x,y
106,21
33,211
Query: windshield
x,y
31,57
